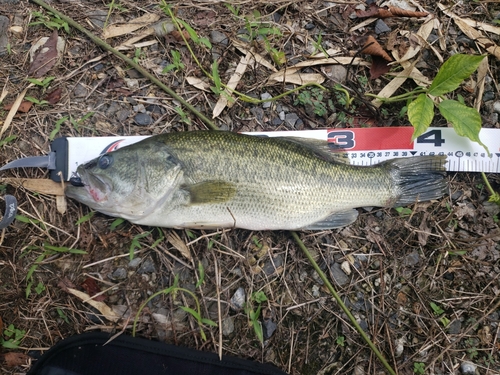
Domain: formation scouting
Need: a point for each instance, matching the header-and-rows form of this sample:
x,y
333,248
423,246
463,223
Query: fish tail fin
x,y
418,179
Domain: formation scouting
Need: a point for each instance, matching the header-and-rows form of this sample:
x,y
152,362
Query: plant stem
x,y
399,98
133,64
488,185
341,304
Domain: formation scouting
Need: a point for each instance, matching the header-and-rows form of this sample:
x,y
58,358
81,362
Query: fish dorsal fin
x,y
214,191
321,148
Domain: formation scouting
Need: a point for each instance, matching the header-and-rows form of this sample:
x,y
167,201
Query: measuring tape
x,y
369,146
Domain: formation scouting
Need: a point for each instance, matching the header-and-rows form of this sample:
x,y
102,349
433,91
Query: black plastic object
x,y
90,354
60,147
10,211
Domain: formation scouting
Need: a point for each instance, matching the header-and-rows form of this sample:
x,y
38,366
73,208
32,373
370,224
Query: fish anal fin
x,y
335,220
210,192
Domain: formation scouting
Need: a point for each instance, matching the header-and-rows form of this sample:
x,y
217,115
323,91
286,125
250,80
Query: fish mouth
x,y
87,187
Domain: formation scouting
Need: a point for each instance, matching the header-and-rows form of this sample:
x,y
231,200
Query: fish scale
x,y
209,179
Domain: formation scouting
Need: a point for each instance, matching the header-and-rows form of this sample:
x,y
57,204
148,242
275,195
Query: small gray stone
x,y
337,73
258,112
282,115
143,119
496,107
381,27
268,328
112,109
80,91
219,37
276,121
122,115
339,276
228,326
455,327
291,119
119,274
98,17
4,37
134,263
468,368
238,299
139,108
147,267
488,95
271,266
411,259
131,101
265,96
309,26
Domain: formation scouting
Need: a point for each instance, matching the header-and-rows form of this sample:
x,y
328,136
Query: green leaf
x,y
209,322
85,218
216,77
39,288
201,271
190,31
453,72
63,249
466,120
420,114
194,313
57,128
259,297
7,140
116,223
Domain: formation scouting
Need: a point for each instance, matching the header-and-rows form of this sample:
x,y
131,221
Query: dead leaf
x,y
198,83
13,110
45,57
91,287
65,283
398,12
113,31
381,12
178,36
179,244
372,47
223,101
37,185
104,309
54,96
24,107
472,33
204,18
1,325
13,359
299,78
373,11
379,67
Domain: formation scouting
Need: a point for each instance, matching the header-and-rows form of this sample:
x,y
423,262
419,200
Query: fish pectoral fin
x,y
336,220
211,192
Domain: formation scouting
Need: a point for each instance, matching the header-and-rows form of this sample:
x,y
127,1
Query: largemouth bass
x,y
216,179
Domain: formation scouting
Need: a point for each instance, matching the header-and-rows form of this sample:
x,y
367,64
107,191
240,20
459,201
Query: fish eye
x,y
105,161
76,181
